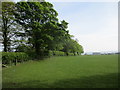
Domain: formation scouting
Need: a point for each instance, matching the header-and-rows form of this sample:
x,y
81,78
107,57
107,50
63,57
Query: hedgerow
x,y
10,58
56,53
14,57
60,53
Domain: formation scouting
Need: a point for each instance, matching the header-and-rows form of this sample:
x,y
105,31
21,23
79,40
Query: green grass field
x,y
64,72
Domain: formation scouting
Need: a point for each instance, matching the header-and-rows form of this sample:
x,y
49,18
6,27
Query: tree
x,y
7,24
41,24
61,34
72,46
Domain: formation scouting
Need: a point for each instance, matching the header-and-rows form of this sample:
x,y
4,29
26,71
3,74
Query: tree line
x,y
34,27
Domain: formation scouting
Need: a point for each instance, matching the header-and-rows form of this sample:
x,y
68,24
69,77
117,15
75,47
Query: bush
x,y
56,53
60,53
71,54
13,57
50,53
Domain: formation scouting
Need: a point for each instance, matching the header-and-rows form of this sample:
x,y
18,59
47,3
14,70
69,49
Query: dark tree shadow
x,y
98,81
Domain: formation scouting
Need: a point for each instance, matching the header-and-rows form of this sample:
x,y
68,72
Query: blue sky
x,y
94,24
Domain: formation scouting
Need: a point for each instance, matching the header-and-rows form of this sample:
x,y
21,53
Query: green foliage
x,y
37,30
13,57
36,15
41,25
71,54
7,24
58,53
72,46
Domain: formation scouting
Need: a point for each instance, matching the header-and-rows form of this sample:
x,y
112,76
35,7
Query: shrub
x,y
50,53
60,53
13,57
56,53
71,54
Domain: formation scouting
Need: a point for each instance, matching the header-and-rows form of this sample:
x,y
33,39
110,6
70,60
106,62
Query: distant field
x,y
64,72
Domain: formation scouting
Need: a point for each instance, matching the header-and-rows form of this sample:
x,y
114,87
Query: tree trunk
x,y
37,51
74,53
5,41
5,31
67,53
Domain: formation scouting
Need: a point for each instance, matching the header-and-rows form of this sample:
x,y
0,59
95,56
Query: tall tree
x,y
72,46
7,24
41,24
61,34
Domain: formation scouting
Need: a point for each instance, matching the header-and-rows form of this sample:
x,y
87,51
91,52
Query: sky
x,y
94,24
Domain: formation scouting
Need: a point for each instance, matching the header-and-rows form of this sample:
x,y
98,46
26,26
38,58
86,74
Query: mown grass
x,y
64,72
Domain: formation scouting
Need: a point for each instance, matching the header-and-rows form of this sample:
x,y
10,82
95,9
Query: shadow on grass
x,y
98,81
